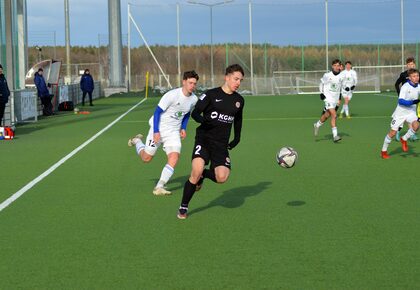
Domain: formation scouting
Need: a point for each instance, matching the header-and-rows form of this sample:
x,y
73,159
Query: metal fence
x,y
25,106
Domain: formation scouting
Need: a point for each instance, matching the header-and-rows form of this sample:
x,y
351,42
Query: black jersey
x,y
401,80
217,111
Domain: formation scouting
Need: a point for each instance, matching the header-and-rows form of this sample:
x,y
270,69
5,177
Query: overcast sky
x,y
279,22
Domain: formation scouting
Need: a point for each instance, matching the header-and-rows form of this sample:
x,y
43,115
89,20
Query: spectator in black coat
x,y
87,86
43,93
4,94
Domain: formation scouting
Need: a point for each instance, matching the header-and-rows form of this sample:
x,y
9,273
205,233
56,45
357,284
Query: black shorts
x,y
212,151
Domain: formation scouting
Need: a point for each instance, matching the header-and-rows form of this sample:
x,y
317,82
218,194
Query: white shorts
x,y
171,141
347,94
399,119
330,105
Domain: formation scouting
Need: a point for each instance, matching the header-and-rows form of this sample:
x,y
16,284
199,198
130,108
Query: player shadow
x,y
296,203
329,137
174,183
235,197
409,153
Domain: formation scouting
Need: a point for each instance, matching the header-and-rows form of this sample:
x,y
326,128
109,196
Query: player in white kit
x,y
330,88
167,127
349,84
405,112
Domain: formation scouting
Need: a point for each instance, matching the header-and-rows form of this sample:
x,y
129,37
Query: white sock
x,y
408,135
139,146
319,123
334,131
387,141
167,173
346,108
342,109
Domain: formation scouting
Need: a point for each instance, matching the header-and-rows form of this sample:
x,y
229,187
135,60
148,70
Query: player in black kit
x,y
216,111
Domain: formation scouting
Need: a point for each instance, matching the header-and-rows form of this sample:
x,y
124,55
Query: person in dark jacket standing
x,y
43,93
4,94
87,86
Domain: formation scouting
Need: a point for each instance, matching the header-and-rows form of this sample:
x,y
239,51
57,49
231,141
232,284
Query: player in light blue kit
x,y
405,112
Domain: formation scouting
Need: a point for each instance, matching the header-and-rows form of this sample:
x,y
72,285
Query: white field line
x,y
386,95
285,119
31,184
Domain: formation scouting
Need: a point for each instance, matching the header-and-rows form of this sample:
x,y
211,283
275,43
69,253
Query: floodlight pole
x,y
178,42
326,35
128,47
250,47
402,33
211,30
67,24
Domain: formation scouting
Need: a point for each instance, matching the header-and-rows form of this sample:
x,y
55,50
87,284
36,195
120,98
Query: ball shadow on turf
x,y
234,197
296,203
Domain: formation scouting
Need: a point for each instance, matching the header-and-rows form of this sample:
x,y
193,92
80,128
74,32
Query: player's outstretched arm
x,y
399,81
183,132
156,123
237,125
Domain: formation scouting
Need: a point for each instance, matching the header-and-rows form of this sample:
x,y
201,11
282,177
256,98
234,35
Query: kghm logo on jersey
x,y
222,117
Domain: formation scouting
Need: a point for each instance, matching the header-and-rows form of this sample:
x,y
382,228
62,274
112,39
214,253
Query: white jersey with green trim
x,y
331,85
350,78
175,106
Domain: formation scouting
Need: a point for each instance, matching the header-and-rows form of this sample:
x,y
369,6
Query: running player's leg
x,y
333,121
346,105
396,122
414,126
220,161
200,158
414,136
324,116
144,151
172,146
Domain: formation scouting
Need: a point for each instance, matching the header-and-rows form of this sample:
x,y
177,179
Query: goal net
x,y
307,82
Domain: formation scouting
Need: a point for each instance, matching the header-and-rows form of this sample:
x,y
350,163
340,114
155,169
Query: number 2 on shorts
x,y
197,150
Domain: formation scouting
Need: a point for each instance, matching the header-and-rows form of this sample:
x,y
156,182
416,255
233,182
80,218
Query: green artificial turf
x,y
342,218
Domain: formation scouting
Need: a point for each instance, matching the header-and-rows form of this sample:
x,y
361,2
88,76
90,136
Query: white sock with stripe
x,y
408,135
139,146
387,141
167,173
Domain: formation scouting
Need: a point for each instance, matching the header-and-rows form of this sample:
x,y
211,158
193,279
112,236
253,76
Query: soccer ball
x,y
287,157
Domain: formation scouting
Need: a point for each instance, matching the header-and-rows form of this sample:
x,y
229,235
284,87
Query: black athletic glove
x,y
352,88
416,101
233,144
322,96
347,89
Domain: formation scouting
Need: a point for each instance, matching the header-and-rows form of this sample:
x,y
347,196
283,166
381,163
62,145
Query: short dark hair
x,y
234,68
1,66
336,61
412,71
87,70
190,75
348,62
40,69
410,59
